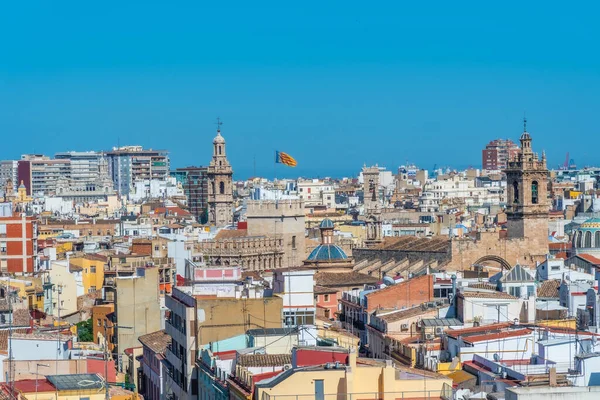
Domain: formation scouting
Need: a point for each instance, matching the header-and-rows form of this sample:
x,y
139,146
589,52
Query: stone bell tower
x,y
220,186
527,195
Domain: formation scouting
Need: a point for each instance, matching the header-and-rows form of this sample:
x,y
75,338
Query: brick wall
x,y
405,294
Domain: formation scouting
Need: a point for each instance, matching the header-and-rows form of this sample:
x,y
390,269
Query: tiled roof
x,y
29,385
404,314
496,335
156,341
487,295
264,360
477,329
323,290
231,234
343,279
4,336
589,258
413,243
549,289
517,274
483,285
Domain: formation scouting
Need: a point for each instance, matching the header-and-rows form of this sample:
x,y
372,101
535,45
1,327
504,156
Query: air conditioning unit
x,y
287,366
429,336
439,331
404,327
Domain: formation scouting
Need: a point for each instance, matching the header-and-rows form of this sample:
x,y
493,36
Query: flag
x,y
284,158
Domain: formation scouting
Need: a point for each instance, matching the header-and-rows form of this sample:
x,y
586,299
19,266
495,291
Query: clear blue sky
x,y
333,83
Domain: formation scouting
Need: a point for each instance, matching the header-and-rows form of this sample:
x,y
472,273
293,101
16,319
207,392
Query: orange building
x,y
18,244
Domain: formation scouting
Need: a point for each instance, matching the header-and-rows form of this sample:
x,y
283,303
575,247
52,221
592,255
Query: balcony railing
x,y
445,394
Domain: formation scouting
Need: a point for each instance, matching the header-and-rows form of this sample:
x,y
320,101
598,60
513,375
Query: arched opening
x,y
579,240
212,186
515,192
485,261
588,239
534,192
222,187
597,239
220,150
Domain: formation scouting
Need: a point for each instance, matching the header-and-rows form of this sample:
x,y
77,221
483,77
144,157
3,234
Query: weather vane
x,y
219,123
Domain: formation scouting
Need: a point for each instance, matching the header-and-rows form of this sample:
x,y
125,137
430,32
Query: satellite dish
x,y
496,357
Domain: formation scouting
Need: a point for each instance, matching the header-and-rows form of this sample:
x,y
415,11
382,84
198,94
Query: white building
x,y
316,192
156,189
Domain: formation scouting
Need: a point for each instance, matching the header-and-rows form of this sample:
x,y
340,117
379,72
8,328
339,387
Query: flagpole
x,y
275,176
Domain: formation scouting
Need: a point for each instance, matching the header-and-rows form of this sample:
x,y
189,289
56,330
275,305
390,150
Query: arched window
x,y
534,192
579,240
515,192
588,239
219,150
222,187
597,239
212,184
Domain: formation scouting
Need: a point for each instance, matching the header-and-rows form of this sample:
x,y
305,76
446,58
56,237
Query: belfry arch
x,y
492,258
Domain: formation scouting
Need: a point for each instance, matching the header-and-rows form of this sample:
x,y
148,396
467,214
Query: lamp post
x,y
37,366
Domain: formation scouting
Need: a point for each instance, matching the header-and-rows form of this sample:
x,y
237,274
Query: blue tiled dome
x,y
327,252
326,223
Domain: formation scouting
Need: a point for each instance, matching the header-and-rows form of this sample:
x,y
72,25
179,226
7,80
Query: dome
x,y
592,224
326,224
219,139
525,136
327,253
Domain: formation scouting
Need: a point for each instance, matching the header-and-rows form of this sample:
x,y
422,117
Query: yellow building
x,y
360,379
92,271
28,288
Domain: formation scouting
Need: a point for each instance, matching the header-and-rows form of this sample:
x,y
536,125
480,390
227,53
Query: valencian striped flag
x,y
284,158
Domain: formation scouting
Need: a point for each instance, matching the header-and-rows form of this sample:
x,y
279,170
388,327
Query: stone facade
x,y
252,253
370,186
280,219
220,187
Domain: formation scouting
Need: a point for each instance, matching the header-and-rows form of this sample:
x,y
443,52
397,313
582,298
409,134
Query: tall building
x,y
220,188
8,172
370,177
40,174
18,245
85,166
527,194
194,181
128,164
496,154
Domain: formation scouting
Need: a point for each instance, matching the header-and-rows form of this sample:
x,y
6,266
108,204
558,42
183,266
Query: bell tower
x,y
527,194
220,186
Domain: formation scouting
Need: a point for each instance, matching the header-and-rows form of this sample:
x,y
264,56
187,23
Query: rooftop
x,y
76,381
264,360
156,341
343,279
271,331
487,295
497,335
412,243
549,289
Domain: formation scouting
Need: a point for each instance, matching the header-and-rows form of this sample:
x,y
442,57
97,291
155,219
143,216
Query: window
x,y
534,192
93,269
515,192
99,322
222,187
530,290
294,242
3,247
326,298
515,291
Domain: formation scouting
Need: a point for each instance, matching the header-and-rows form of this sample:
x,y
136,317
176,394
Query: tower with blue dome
x,y
328,255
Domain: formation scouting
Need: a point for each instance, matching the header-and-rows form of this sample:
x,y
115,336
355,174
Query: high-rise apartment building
x,y
85,166
194,181
8,172
128,164
496,154
39,173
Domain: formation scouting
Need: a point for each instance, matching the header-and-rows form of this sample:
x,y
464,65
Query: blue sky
x,y
335,84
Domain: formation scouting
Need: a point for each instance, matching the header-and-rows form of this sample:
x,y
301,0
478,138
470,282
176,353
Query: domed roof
x,y
326,253
326,223
525,136
592,224
219,139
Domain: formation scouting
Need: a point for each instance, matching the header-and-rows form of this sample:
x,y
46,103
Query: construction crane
x,y
566,164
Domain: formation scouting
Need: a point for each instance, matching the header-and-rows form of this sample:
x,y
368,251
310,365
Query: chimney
x,y
552,377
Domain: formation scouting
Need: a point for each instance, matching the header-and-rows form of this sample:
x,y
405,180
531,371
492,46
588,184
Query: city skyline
x,y
381,85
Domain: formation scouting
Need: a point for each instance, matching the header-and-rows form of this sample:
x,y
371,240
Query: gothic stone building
x,y
526,238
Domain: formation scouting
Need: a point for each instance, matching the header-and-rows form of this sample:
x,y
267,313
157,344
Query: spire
x,y
524,123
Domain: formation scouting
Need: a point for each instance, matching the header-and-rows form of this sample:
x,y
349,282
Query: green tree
x,y
85,331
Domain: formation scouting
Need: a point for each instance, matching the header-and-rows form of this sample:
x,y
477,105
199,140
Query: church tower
x,y
527,195
220,186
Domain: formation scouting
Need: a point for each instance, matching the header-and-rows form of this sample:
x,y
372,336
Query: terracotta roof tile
x,y
323,290
589,258
343,279
496,335
487,295
156,341
404,314
264,360
549,289
483,285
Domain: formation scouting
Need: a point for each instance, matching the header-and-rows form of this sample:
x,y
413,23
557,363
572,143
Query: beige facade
x,y
280,219
137,307
253,253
